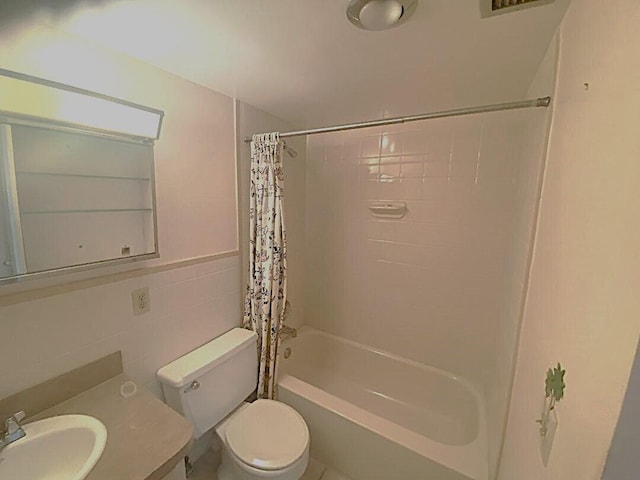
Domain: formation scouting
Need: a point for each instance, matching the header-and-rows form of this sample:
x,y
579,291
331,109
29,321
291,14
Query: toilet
x,y
265,439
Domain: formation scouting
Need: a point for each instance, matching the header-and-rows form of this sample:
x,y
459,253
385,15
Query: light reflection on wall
x,y
150,28
26,98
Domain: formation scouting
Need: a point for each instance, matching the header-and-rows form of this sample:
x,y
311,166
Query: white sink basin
x,y
57,448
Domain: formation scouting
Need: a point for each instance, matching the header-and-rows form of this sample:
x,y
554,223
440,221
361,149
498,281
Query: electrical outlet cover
x,y
140,300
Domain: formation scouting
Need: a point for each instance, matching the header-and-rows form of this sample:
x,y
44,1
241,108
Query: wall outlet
x,y
141,300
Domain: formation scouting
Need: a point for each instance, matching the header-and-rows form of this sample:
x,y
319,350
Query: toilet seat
x,y
267,435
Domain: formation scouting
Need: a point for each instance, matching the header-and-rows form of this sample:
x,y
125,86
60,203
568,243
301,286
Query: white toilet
x,y
263,439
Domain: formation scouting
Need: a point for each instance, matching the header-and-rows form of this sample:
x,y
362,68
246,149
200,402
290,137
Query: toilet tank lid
x,y
187,368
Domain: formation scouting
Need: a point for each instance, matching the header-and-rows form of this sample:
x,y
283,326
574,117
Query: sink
x,y
66,447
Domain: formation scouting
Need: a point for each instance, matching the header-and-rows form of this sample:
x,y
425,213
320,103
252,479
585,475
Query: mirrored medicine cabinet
x,y
77,187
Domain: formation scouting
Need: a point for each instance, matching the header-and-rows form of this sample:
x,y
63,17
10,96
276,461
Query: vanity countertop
x,y
145,438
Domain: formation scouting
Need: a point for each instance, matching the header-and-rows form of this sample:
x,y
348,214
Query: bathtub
x,y
376,416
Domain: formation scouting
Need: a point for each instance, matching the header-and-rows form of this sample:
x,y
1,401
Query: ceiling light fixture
x,y
379,14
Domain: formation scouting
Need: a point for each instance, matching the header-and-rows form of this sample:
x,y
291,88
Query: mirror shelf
x,y
105,210
111,177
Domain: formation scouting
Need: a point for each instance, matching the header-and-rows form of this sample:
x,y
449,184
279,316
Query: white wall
x,y
250,121
518,256
582,306
48,331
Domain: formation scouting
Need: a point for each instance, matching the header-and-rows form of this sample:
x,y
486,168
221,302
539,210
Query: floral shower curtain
x,y
267,288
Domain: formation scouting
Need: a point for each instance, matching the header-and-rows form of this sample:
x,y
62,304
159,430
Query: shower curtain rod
x,y
537,102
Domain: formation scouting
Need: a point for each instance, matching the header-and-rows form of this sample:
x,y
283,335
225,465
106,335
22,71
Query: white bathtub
x,y
377,416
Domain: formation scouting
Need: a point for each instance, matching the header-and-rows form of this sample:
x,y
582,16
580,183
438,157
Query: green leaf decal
x,y
554,384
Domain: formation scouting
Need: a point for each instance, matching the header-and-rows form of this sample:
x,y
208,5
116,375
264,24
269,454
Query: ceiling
x,y
304,62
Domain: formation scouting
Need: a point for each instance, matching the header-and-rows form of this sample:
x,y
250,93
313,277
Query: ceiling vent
x,y
489,8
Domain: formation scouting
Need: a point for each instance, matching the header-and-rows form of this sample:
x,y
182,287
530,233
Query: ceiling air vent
x,y
489,8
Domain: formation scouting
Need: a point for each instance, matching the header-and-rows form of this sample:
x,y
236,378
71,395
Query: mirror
x,y
72,195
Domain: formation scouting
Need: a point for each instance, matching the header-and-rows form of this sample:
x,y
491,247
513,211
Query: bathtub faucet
x,y
287,332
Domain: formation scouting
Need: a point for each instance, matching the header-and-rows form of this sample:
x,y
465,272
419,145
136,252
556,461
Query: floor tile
x,y
205,467
314,470
331,474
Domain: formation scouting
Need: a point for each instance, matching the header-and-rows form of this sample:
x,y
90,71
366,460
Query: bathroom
x,y
529,200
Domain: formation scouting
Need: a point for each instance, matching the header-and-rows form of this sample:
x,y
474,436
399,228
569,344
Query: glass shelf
x,y
106,210
81,175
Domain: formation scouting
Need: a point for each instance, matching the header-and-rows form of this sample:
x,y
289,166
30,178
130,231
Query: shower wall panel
x,y
430,286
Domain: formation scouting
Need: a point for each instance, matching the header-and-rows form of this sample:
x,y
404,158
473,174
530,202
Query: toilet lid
x,y
268,435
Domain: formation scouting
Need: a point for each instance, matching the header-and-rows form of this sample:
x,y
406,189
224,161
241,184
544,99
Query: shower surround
x,y
443,285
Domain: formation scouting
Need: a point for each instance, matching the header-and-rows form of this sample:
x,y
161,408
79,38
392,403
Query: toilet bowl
x,y
264,439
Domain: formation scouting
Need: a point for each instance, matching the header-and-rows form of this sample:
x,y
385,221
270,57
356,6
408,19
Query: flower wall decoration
x,y
554,392
554,383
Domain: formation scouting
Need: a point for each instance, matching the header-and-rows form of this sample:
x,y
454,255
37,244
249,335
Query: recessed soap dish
x,y
382,209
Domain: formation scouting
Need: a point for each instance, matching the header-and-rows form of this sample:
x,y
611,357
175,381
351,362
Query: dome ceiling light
x,y
379,14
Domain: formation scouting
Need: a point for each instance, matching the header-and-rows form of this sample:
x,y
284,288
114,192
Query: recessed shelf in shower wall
x,y
383,209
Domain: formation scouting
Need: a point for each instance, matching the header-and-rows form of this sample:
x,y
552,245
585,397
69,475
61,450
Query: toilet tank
x,y
207,384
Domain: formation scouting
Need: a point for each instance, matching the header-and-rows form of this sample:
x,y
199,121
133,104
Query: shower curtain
x,y
267,288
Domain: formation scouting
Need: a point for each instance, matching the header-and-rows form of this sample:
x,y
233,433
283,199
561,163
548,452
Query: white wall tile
x,y
391,144
412,169
351,147
446,278
52,335
436,169
370,146
414,143
434,188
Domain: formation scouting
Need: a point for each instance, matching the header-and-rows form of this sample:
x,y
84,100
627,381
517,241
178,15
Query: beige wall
x,y
48,331
582,306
